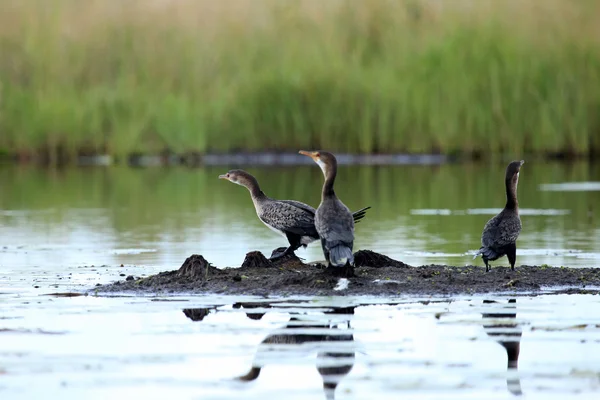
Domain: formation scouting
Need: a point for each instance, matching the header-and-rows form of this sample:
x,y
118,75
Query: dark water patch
x,y
66,294
374,275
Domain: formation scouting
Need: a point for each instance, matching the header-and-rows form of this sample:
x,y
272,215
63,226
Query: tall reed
x,y
482,76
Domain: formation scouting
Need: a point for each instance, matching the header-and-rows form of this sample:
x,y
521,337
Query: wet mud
x,y
374,275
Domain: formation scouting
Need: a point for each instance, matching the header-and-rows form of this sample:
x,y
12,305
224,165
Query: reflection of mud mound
x,y
196,314
374,275
368,258
249,305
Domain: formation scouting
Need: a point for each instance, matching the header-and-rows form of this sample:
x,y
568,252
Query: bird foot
x,y
283,253
278,253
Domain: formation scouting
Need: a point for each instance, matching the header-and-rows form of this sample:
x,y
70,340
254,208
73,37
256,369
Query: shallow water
x,y
195,348
65,231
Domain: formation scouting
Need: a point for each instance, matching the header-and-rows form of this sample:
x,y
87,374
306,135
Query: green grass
x,y
383,76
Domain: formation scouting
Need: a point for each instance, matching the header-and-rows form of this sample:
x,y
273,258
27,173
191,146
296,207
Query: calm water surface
x,y
420,214
195,348
68,230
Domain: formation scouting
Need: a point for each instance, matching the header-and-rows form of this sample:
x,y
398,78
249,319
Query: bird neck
x,y
254,188
511,193
329,180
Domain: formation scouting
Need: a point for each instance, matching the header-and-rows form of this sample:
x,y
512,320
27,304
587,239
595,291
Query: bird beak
x,y
223,177
522,162
311,154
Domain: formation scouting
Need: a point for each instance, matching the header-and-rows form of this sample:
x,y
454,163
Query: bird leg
x,y
277,253
487,265
295,244
511,254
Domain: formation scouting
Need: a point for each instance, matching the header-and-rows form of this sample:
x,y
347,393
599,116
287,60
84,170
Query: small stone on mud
x,y
129,278
511,283
237,278
427,274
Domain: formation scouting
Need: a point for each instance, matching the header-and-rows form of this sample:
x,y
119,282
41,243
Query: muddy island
x,y
374,275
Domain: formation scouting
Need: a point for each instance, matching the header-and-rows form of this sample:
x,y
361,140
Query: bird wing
x,y
360,214
335,224
288,217
300,205
501,230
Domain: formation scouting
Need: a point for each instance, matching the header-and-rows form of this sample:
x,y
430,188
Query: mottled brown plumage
x,y
290,218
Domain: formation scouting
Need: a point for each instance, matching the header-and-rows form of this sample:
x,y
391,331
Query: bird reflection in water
x,y
335,357
331,337
503,328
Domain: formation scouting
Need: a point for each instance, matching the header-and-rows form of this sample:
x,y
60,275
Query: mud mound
x,y
368,258
256,259
374,274
196,267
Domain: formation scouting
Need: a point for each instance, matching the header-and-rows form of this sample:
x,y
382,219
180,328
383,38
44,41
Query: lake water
x,y
68,230
420,214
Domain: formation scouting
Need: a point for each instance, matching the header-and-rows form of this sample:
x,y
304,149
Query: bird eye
x,y
318,154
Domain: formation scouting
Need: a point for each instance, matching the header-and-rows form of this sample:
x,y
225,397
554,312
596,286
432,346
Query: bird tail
x,y
340,255
360,214
486,252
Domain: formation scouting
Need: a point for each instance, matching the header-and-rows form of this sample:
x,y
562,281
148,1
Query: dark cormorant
x,y
333,219
501,232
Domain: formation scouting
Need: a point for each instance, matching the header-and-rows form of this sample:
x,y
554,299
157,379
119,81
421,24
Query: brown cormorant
x,y
290,218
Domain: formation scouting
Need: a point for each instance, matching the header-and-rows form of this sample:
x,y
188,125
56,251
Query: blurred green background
x,y
483,77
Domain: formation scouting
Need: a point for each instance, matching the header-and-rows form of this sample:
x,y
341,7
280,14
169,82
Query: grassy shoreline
x,y
479,79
